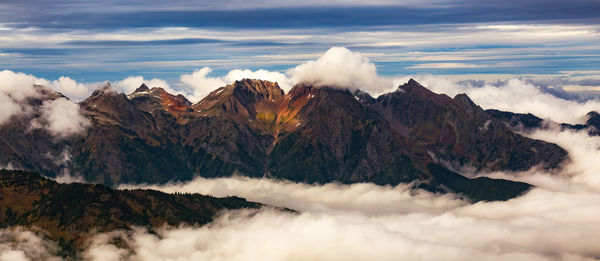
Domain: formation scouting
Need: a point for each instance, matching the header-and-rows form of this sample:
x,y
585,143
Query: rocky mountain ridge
x,y
310,134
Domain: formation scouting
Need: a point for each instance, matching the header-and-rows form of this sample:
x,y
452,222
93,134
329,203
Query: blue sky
x,y
93,41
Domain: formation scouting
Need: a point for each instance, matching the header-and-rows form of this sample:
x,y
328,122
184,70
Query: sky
x,y
96,41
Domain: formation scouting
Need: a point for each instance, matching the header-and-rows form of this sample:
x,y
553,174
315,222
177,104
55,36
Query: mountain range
x,y
311,134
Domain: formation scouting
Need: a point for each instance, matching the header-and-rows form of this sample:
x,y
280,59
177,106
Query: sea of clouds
x,y
557,220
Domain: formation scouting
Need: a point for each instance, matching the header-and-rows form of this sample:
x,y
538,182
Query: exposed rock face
x,y
151,100
72,213
310,134
459,131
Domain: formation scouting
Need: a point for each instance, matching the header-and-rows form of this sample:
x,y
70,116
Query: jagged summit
x,y
593,119
142,88
246,92
157,98
257,89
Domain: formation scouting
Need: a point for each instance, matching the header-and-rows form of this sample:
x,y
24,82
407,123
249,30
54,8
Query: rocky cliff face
x,y
310,134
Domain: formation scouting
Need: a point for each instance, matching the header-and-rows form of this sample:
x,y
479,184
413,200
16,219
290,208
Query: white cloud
x,y
583,151
362,197
15,88
62,118
17,244
340,67
70,88
8,108
129,84
201,84
514,95
19,86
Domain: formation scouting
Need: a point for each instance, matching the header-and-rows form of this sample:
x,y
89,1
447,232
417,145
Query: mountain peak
x,y
412,86
593,119
257,89
142,88
158,98
464,101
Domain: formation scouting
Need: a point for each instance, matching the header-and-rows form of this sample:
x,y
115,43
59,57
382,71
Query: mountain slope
x,y
72,213
458,131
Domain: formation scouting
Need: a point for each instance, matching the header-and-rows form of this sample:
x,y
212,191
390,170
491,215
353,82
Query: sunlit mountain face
x,y
279,130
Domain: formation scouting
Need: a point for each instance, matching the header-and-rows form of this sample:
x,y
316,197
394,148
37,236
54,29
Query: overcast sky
x,y
110,40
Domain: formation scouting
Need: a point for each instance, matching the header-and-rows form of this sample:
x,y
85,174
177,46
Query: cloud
x,y
62,161
19,86
18,244
199,84
8,108
62,118
362,197
503,231
70,88
342,68
15,88
516,95
584,150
